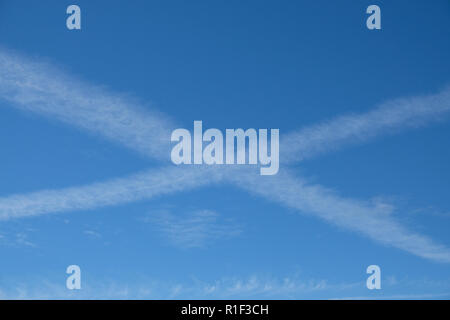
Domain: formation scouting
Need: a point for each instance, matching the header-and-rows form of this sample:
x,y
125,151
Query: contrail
x,y
43,89
33,87
364,218
40,88
389,117
284,188
144,185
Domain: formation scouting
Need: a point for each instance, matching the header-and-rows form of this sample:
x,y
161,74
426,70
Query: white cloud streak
x,y
236,287
389,117
145,185
41,88
253,286
370,220
258,286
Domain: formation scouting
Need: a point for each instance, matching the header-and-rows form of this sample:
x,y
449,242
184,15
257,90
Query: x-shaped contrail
x,y
38,87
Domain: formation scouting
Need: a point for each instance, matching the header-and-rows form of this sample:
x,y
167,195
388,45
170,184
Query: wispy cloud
x,y
391,116
252,287
22,239
194,229
235,287
92,233
17,238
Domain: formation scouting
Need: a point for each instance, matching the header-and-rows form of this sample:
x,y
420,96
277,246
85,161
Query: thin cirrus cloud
x,y
258,286
32,86
252,286
227,287
193,229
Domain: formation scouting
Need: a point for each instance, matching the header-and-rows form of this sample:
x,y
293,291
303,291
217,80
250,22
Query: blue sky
x,y
85,177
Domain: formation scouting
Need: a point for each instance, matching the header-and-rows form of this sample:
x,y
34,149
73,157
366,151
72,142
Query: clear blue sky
x,y
232,64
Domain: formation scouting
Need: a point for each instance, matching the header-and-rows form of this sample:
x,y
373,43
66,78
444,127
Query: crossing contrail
x,y
40,88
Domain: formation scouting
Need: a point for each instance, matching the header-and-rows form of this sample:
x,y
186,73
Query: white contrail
x,y
389,117
364,218
284,188
136,187
29,86
40,88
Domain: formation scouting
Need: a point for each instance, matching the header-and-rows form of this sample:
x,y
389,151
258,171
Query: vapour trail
x,y
144,185
372,221
391,116
43,89
39,88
